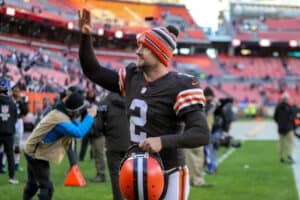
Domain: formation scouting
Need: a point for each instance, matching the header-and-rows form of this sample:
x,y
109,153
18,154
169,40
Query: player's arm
x,y
97,73
196,132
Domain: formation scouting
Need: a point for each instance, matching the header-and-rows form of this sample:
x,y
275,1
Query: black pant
x,y
8,142
114,159
83,147
72,154
38,177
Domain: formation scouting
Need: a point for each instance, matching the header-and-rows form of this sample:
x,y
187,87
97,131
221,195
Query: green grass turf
x,y
252,172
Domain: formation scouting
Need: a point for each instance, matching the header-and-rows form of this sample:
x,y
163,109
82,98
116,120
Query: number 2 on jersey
x,y
138,120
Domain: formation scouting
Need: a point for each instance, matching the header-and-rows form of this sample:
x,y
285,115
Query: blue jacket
x,y
75,129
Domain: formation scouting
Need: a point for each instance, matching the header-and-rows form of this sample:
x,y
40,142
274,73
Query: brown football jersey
x,y
155,108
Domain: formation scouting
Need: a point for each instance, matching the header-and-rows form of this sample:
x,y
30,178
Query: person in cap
x,y
164,108
71,152
49,141
283,116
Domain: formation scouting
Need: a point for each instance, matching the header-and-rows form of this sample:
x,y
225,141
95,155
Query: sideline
x,y
254,132
251,133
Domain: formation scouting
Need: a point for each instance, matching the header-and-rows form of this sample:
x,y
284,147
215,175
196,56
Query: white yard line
x,y
251,133
225,155
296,166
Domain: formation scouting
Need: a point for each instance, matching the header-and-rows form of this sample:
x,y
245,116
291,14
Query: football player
x,y
159,102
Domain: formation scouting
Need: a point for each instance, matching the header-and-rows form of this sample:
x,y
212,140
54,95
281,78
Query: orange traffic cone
x,y
74,177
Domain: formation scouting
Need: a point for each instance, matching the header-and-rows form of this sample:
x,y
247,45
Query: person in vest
x,y
50,139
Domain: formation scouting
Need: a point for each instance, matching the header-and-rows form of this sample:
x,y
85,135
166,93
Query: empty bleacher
x,y
253,67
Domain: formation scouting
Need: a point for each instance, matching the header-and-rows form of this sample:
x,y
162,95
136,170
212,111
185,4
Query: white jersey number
x,y
138,120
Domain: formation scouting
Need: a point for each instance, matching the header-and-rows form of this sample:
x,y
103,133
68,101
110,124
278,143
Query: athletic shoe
x,y
290,160
98,179
13,181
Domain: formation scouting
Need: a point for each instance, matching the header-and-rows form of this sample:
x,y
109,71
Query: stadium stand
x,y
58,43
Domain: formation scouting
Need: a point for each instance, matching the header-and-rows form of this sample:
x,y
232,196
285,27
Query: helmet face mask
x,y
141,176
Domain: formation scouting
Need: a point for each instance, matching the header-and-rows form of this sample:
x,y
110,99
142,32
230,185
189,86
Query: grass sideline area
x,y
252,172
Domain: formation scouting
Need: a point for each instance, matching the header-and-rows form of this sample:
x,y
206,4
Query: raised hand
x,y
84,21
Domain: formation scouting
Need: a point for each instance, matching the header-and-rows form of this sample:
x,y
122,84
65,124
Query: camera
x,y
102,108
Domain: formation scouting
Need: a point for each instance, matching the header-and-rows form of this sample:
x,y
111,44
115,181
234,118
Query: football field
x,y
251,172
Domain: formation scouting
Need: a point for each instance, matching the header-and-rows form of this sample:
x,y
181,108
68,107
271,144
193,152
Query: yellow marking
x,y
254,131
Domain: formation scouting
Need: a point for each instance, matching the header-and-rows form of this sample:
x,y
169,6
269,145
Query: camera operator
x,y
96,137
224,116
51,138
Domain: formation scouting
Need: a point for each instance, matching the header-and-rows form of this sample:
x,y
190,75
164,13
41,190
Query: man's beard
x,y
141,66
144,66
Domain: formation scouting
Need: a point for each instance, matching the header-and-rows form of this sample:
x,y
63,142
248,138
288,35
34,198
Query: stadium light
x,y
70,25
100,31
245,52
184,51
119,34
293,43
236,42
10,11
265,43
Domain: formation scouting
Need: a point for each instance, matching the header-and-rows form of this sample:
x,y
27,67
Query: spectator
x,y
8,118
283,116
195,157
91,98
210,151
22,110
44,110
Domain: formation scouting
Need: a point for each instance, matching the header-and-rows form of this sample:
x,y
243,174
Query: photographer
x,y
96,137
71,152
50,139
224,116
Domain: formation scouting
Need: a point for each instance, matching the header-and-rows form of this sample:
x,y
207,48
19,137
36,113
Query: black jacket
x,y
8,115
284,117
116,125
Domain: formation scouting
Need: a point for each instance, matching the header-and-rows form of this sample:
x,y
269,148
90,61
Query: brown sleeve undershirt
x,y
196,132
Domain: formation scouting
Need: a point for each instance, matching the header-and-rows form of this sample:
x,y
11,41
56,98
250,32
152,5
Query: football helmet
x,y
141,176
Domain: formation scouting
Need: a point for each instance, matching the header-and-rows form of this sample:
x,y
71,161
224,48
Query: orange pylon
x,y
74,177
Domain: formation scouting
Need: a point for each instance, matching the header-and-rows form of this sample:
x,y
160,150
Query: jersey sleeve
x,y
124,77
190,96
